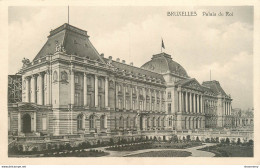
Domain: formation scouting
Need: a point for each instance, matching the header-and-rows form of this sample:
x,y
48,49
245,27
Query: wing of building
x,y
69,88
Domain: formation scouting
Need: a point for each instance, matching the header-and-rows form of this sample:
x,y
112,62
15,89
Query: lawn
x,y
82,153
167,153
154,145
225,150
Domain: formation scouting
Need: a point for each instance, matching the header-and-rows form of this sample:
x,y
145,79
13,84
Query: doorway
x,y
26,123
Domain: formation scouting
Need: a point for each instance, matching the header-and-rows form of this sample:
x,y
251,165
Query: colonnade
x,y
190,102
227,108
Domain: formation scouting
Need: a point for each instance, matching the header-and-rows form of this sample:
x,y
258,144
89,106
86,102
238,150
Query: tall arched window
x,y
91,122
121,122
159,122
102,122
128,122
154,122
55,76
80,121
148,122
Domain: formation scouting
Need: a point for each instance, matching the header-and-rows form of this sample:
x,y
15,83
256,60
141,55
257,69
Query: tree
x,y
250,142
188,138
207,140
227,141
217,139
197,139
238,141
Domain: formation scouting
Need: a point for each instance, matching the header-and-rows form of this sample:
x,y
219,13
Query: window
x,y
44,123
119,88
128,122
121,122
79,121
169,107
135,121
91,122
169,95
119,103
76,79
133,105
55,76
102,122
133,89
152,107
141,105
89,81
148,106
127,104
126,89
99,83
154,122
76,99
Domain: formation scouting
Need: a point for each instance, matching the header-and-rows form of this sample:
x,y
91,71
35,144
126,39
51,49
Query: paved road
x,y
194,151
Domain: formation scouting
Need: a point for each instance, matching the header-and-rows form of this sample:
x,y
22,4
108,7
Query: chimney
x,y
123,61
131,63
118,59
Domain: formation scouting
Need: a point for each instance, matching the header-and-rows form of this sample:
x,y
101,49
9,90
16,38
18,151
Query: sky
x,y
220,44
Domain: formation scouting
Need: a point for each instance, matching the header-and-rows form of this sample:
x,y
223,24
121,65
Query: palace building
x,y
69,88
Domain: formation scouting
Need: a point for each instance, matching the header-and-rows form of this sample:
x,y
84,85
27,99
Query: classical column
x,y
27,89
144,94
137,98
186,101
106,92
34,121
201,104
40,89
116,98
194,103
151,100
33,89
198,102
85,90
19,122
131,97
180,101
230,109
155,101
124,97
72,88
190,109
96,91
160,105
48,83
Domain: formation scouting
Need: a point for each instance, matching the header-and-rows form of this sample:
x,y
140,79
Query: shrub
x,y
67,146
238,141
188,138
197,139
227,141
222,141
207,140
35,149
212,140
217,139
250,142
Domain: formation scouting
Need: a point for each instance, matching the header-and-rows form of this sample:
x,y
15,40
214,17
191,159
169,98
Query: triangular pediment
x,y
192,84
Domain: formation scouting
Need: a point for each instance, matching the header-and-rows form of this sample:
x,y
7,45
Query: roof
x,y
163,63
136,70
74,40
214,87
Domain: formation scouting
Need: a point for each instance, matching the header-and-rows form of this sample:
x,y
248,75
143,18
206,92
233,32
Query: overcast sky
x,y
223,44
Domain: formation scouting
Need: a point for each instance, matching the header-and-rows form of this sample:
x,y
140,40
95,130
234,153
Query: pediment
x,y
194,84
28,107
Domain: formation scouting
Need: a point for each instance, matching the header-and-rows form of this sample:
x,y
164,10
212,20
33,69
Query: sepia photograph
x,y
130,81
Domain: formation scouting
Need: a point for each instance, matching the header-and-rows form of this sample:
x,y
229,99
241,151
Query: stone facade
x,y
69,88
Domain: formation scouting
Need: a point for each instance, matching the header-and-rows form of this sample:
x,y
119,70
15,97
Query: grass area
x,y
81,153
168,153
225,150
154,145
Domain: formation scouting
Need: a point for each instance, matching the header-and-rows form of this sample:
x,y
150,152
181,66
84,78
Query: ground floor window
x,y
44,123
